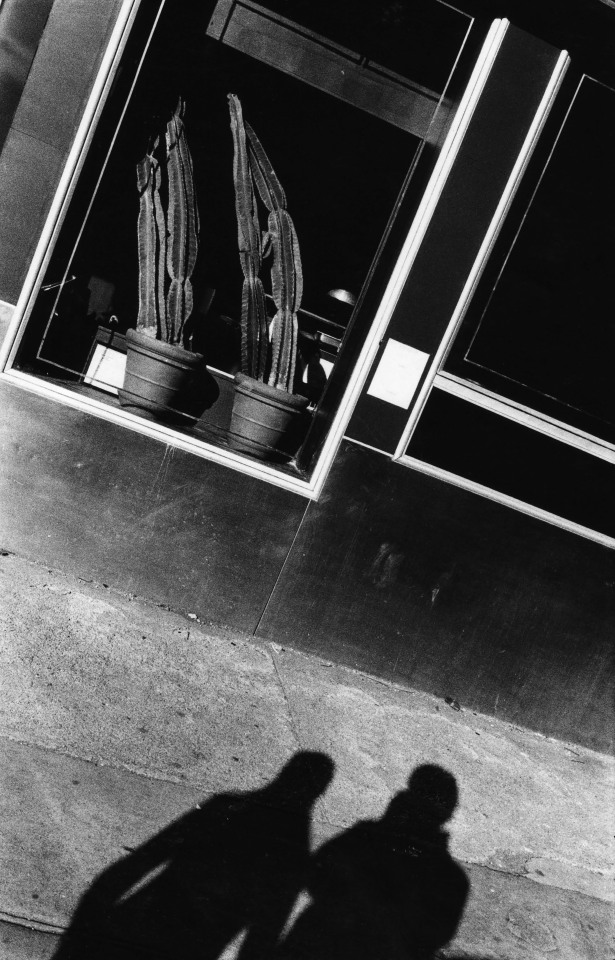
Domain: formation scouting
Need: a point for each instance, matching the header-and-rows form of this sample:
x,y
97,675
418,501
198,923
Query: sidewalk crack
x,y
291,718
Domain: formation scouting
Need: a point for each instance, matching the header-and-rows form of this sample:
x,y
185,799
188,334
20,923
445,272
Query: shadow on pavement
x,y
386,889
235,879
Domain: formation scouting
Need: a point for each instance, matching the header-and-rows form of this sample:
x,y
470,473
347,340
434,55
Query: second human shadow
x,y
386,889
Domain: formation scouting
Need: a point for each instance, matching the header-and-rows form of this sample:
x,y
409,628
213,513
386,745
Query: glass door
x,y
522,406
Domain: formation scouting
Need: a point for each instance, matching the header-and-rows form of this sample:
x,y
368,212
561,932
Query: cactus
x,y
167,241
151,235
182,227
253,313
279,346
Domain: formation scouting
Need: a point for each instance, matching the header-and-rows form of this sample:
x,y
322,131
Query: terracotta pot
x,y
161,380
266,422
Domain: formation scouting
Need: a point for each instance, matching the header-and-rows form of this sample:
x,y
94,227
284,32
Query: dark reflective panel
x,y
481,446
547,333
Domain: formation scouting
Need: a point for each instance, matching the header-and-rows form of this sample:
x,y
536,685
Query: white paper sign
x,y
106,369
398,374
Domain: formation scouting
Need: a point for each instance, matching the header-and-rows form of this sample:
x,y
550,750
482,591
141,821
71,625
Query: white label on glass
x,y
398,374
106,369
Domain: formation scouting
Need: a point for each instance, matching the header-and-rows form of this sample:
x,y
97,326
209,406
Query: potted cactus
x,y
160,371
266,412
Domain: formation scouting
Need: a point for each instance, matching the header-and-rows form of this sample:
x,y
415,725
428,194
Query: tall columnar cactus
x,y
253,314
182,226
151,235
252,166
167,241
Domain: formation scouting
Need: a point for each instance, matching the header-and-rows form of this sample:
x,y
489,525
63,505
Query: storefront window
x,y
342,104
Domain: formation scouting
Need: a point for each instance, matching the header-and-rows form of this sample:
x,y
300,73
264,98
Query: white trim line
x,y
411,246
156,431
368,446
487,245
526,416
537,512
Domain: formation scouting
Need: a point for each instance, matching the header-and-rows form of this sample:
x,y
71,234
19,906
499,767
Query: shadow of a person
x,y
386,889
229,869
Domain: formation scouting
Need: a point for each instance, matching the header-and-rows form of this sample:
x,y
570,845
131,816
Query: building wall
x,y
6,313
415,580
22,23
43,128
390,571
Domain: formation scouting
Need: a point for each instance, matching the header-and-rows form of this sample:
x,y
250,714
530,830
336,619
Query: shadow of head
x,y
428,802
433,790
303,779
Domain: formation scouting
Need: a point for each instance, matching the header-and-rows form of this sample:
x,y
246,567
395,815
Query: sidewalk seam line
x,y
282,569
291,717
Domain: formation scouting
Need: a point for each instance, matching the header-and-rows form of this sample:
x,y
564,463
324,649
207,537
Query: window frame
x,y
312,487
485,394
440,379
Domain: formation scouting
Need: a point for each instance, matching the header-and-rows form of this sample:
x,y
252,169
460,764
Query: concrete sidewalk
x,y
118,716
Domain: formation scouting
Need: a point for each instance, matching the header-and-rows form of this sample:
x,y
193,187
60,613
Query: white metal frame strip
x,y
526,416
486,247
411,246
151,429
520,505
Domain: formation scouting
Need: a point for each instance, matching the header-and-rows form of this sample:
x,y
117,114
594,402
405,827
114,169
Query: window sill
x,y
203,440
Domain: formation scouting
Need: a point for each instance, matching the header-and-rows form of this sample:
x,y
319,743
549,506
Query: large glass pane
x,y
342,96
547,333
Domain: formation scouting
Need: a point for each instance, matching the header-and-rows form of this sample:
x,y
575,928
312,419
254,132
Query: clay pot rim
x,y
145,342
250,386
